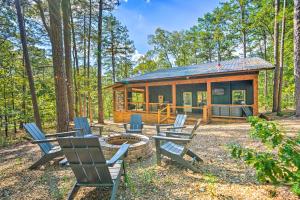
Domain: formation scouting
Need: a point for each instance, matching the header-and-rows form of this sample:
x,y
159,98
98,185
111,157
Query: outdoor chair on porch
x,y
176,127
178,147
135,124
82,125
89,166
49,151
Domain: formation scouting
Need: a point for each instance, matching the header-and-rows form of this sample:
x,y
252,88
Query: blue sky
x,y
142,17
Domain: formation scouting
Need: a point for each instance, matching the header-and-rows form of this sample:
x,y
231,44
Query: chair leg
x,y
44,159
73,191
125,174
115,189
193,155
185,163
158,153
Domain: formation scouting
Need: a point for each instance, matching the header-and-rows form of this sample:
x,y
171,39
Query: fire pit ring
x,y
140,146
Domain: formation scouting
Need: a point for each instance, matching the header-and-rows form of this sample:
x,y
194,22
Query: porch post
x,y
147,98
208,88
114,100
255,96
174,97
126,98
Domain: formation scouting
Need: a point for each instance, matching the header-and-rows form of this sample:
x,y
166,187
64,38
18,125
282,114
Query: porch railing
x,y
166,110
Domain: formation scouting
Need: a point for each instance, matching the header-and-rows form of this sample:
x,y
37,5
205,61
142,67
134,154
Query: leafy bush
x,y
280,163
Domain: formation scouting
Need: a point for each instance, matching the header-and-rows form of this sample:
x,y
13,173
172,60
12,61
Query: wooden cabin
x,y
213,91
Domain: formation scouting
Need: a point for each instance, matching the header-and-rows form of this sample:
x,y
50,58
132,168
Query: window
x,y
238,96
201,98
218,91
137,97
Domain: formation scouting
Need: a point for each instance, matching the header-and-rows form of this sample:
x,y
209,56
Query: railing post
x,y
168,111
205,114
158,116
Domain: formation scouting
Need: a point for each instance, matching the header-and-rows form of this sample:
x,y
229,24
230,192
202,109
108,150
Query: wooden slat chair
x,y
135,124
177,147
89,166
84,128
247,111
49,151
176,127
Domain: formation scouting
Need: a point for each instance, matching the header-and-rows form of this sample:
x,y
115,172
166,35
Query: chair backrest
x,y
136,121
82,124
86,160
37,134
193,133
180,120
196,126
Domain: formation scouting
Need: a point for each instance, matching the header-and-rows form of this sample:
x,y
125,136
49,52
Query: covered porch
x,y
230,97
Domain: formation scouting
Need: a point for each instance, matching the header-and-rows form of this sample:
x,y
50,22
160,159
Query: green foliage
x,y
280,163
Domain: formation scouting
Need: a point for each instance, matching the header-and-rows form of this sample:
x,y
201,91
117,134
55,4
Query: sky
x,y
143,17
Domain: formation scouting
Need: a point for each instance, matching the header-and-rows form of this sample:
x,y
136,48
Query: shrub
x,y
280,163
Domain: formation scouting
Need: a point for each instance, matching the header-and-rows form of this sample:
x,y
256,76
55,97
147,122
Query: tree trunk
x,y
62,113
113,60
281,58
5,112
84,66
99,53
28,65
88,64
266,73
243,24
68,61
297,53
77,83
276,58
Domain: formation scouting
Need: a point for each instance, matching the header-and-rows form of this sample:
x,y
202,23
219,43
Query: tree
x,y
99,61
297,53
62,113
27,64
281,58
68,60
118,48
103,5
276,57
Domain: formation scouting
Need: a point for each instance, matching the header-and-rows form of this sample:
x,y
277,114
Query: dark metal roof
x,y
229,66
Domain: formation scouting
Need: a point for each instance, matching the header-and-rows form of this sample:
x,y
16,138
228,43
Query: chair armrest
x,y
179,127
164,124
171,139
177,133
159,125
43,141
62,134
97,125
119,155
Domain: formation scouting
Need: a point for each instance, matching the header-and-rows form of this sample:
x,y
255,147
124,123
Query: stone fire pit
x,y
140,146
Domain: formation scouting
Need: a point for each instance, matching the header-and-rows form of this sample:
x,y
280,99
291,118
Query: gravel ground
x,y
221,176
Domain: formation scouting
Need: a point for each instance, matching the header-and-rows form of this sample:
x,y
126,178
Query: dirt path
x,y
221,176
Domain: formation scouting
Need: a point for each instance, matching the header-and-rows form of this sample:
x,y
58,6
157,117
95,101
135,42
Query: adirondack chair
x,y
82,124
49,151
89,165
176,127
178,147
135,124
